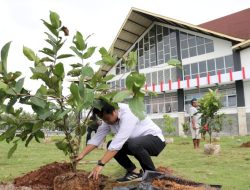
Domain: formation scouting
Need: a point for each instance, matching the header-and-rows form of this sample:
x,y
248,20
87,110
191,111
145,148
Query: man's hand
x,y
95,172
79,157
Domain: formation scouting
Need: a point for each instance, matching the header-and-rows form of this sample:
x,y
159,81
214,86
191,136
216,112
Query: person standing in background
x,y
195,123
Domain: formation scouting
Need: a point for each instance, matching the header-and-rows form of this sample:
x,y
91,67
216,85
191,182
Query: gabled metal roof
x,y
138,21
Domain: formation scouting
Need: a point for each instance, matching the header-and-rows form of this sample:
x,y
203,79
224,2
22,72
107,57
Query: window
x,y
192,45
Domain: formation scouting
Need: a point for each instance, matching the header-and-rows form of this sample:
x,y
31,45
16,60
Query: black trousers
x,y
141,148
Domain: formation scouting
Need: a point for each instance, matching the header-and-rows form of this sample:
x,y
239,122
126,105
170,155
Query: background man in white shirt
x,y
140,138
195,122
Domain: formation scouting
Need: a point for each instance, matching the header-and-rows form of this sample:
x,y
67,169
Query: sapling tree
x,y
209,106
169,127
50,103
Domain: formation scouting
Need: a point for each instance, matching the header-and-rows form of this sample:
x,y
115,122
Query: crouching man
x,y
139,138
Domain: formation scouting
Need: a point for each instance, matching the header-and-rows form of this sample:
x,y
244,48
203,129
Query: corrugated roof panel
x,y
134,28
140,19
128,36
122,45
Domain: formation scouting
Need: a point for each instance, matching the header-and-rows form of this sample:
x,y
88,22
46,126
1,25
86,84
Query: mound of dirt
x,y
246,144
43,177
79,181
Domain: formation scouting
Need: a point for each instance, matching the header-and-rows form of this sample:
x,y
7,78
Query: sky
x,y
21,21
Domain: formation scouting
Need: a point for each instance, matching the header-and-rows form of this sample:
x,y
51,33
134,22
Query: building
x,y
212,57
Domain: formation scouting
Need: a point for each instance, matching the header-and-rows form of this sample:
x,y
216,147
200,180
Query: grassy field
x,y
231,168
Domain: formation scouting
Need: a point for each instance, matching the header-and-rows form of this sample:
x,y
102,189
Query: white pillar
x,y
181,120
242,121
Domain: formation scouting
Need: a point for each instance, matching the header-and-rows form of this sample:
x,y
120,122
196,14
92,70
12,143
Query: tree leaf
x,y
107,78
75,92
4,56
12,150
132,60
55,19
175,63
3,86
28,140
19,85
103,87
89,53
78,53
51,28
87,71
29,53
79,41
59,70
137,107
76,65
38,101
64,56
121,95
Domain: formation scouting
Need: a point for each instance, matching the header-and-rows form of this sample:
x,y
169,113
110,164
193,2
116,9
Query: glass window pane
x,y
192,51
229,61
168,107
166,75
154,77
166,49
159,29
232,100
173,52
186,69
146,47
201,49
220,63
173,42
146,38
209,48
152,32
191,41
141,44
202,67
184,44
200,40
172,33
210,65
148,79
173,75
148,109
160,46
160,76
194,68
184,53
166,57
183,35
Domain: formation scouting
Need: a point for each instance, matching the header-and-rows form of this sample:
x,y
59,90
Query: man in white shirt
x,y
195,123
140,138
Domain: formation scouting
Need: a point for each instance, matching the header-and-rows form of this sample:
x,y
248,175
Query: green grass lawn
x,y
231,168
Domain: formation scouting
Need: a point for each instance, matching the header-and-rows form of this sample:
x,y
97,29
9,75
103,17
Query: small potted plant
x,y
185,127
169,127
212,121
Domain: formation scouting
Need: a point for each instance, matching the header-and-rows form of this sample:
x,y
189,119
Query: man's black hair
x,y
193,100
106,109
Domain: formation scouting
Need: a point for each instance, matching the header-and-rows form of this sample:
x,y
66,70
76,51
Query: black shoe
x,y
130,176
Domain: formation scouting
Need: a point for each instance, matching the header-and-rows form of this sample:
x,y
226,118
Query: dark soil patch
x,y
79,181
43,177
246,144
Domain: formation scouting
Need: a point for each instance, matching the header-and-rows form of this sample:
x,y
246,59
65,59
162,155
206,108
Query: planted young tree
x,y
209,106
49,103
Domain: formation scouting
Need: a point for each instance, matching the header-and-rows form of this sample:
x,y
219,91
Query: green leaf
x,y
4,56
78,53
121,95
37,126
107,78
59,70
3,86
28,140
87,71
79,41
175,63
88,97
55,19
103,87
62,114
132,60
137,107
29,53
10,133
48,52
19,85
45,115
38,101
12,150
89,53
51,28
39,134
64,56
62,146
39,69
75,92
76,65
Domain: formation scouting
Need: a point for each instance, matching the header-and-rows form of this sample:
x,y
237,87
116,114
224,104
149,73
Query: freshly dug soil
x,y
165,170
246,144
79,181
171,185
43,177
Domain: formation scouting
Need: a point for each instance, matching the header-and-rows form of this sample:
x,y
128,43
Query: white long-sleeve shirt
x,y
127,127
